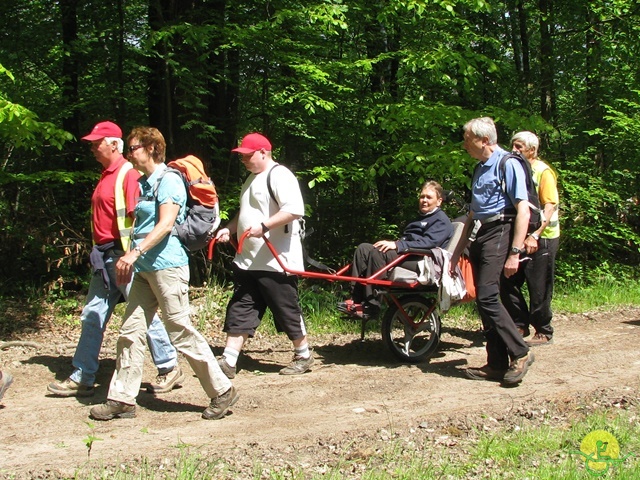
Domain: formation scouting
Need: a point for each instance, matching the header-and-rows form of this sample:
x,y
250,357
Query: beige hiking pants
x,y
167,289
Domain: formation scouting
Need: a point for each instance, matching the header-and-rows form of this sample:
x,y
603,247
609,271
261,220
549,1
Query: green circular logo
x,y
600,448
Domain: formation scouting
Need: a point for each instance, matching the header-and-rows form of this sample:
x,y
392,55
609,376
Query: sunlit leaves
x,y
20,127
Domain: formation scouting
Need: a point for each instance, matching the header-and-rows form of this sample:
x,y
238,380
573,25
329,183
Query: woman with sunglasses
x,y
161,265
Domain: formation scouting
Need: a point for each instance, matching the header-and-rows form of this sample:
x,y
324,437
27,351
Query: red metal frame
x,y
407,319
339,275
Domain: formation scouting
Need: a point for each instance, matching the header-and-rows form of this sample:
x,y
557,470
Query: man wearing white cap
x,y
112,205
270,205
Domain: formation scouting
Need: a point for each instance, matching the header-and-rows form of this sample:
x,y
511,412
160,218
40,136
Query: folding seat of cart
x,y
408,271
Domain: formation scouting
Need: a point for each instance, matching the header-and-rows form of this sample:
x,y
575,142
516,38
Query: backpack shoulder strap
x,y
271,194
157,186
502,169
528,177
167,170
303,231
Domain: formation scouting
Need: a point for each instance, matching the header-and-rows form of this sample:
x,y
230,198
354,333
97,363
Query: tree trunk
x,y
514,37
594,91
155,97
524,39
547,63
120,106
223,77
71,123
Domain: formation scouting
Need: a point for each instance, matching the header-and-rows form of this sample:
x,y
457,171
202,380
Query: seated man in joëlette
x,y
431,229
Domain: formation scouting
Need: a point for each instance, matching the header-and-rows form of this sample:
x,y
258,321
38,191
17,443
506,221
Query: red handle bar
x,y
338,276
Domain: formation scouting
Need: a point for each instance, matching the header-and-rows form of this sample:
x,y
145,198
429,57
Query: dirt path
x,y
355,390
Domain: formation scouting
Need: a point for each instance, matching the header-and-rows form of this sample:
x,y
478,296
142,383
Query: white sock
x,y
303,351
231,356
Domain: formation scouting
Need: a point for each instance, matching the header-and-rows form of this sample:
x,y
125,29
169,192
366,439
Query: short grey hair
x,y
483,127
119,142
528,139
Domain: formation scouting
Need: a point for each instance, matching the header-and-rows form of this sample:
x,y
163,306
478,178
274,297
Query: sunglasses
x,y
133,148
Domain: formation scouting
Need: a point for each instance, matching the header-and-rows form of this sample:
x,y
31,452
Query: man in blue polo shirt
x,y
496,228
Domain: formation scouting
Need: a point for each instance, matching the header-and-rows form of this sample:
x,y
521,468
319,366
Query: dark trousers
x,y
539,273
253,292
366,261
488,254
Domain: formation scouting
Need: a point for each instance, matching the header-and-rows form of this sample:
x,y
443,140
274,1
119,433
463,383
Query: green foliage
x,y
580,297
594,228
363,100
34,201
91,438
20,127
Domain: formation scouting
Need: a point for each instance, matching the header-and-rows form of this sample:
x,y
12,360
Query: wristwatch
x,y
138,249
535,236
515,250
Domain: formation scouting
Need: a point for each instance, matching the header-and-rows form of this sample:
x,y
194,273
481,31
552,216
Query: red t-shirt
x,y
103,201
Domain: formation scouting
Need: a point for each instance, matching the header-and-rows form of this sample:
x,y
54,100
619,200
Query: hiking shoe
x,y
220,405
6,379
165,382
518,369
227,369
69,388
112,409
297,366
539,339
485,373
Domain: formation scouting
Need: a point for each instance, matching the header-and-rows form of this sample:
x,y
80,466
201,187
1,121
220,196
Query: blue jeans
x,y
96,313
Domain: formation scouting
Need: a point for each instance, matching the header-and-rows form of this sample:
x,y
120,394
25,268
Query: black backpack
x,y
535,219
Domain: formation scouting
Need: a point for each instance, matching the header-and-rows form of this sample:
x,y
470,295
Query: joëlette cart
x,y
411,323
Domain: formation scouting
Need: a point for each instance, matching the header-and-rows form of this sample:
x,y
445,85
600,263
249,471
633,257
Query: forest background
x,y
362,99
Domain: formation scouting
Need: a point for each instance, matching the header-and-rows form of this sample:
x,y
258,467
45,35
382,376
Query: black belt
x,y
497,222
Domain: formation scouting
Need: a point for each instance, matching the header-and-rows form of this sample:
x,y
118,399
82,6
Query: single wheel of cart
x,y
411,327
